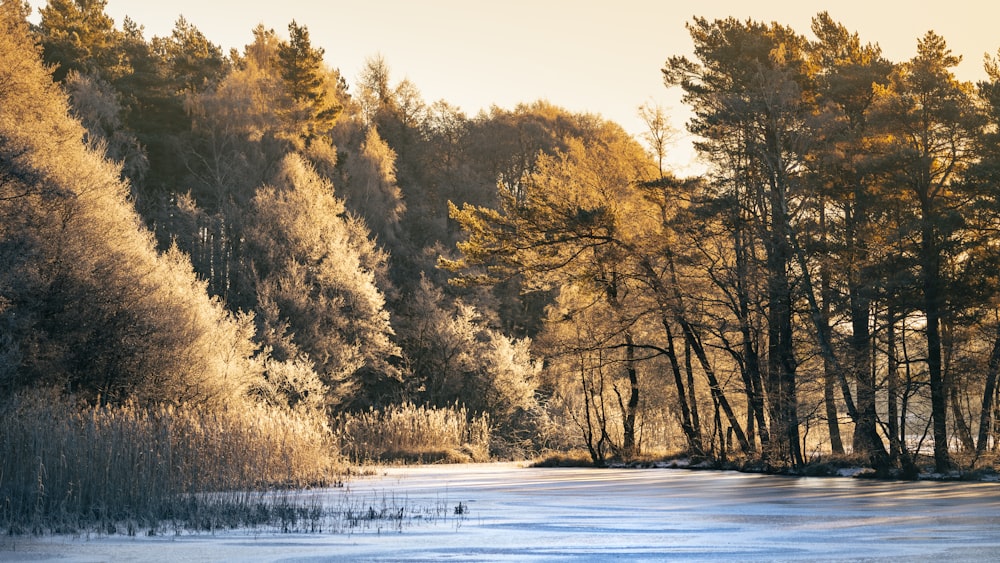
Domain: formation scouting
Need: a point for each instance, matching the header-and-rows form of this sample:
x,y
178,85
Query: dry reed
x,y
413,433
65,468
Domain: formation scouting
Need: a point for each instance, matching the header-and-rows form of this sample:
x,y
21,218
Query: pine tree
x,y
928,119
78,35
309,84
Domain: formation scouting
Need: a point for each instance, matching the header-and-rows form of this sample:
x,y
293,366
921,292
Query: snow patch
x,y
855,472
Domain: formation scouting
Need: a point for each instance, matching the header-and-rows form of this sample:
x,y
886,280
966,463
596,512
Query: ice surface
x,y
511,513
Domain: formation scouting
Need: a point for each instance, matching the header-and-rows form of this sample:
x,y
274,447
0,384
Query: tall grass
x,y
414,434
65,468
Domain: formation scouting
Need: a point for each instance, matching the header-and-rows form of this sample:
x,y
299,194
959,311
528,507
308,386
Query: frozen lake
x,y
512,513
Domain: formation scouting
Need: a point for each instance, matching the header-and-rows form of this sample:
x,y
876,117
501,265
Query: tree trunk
x,y
876,451
692,395
629,410
989,392
830,400
751,359
930,261
719,434
596,454
892,382
962,430
674,295
628,424
961,425
692,432
713,384
691,338
781,348
829,372
866,439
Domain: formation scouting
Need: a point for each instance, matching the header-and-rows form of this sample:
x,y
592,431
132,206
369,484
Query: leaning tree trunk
x,y
989,392
689,426
866,431
665,297
691,338
713,384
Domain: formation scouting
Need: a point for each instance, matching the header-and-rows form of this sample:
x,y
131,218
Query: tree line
x,y
833,265
213,226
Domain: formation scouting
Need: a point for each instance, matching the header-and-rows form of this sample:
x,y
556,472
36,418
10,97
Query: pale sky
x,y
599,57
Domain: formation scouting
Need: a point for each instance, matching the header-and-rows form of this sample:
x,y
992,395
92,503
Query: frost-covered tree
x,y
370,187
86,302
316,269
457,358
95,103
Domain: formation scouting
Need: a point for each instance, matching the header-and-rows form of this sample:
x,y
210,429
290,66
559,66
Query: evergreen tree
x,y
846,172
929,118
313,88
192,62
78,35
750,90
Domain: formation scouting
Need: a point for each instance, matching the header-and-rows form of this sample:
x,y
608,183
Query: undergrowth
x,y
414,434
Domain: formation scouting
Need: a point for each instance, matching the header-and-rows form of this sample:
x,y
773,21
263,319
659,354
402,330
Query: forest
x,y
237,270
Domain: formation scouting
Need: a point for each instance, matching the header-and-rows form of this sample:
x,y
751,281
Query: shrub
x,y
413,433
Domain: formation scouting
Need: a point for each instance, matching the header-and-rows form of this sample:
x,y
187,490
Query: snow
x,y
855,471
512,513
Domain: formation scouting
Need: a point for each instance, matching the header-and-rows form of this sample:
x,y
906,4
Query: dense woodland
x,y
188,230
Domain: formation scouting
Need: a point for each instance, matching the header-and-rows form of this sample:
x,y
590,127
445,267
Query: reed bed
x,y
64,468
412,433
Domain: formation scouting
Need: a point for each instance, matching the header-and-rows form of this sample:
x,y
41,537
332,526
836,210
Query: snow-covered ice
x,y
511,513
